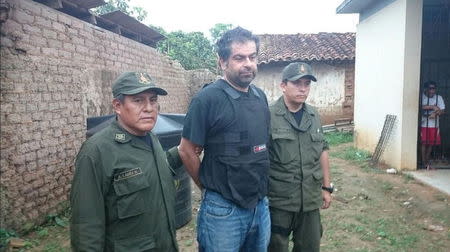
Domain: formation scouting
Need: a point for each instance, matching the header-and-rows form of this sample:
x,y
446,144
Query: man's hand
x,y
326,196
198,150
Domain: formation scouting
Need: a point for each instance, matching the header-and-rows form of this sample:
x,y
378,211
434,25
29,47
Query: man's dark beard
x,y
243,84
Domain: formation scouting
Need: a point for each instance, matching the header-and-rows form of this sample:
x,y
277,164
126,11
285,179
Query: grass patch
x,y
352,154
336,138
54,247
407,177
386,186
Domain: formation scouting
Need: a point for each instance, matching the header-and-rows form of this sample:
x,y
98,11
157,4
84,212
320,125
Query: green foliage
x,y
112,5
42,232
217,31
59,220
193,50
5,235
336,138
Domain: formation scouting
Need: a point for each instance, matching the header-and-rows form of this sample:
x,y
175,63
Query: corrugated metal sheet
x,y
115,21
87,4
144,33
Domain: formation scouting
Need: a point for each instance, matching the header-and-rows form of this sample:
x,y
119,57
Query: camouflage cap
x,y
131,83
297,70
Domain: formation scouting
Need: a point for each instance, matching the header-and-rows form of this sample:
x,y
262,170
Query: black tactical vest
x,y
236,160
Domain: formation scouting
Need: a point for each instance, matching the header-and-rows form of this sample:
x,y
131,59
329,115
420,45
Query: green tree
x,y
193,50
217,31
112,5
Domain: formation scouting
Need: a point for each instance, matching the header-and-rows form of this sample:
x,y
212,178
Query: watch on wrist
x,y
328,189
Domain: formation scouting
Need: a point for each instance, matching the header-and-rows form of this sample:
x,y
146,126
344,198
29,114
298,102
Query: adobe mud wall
x,y
56,71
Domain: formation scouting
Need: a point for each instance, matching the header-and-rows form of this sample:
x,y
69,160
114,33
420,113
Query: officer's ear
x,y
283,85
117,105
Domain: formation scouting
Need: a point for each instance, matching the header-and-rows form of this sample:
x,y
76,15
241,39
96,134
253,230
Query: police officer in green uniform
x,y
123,192
299,176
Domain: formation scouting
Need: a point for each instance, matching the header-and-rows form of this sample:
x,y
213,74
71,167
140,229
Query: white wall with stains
x,y
328,94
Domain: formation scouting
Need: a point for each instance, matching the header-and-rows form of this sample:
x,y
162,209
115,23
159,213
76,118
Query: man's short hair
x,y
238,34
430,83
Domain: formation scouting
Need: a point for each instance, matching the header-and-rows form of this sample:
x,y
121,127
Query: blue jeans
x,y
224,226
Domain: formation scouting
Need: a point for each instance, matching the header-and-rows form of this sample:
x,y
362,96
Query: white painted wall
x,y
327,94
387,71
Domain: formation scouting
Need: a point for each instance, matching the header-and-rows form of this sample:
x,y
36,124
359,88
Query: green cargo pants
x,y
305,227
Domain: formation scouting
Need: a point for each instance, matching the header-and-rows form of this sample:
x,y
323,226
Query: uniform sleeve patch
x,y
127,174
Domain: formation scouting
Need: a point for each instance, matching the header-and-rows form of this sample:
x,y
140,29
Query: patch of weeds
x,y
42,232
29,244
334,242
407,241
5,236
53,247
336,138
407,177
353,154
59,220
362,219
386,186
367,167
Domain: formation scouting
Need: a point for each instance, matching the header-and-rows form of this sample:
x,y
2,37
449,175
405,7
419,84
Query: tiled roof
x,y
307,47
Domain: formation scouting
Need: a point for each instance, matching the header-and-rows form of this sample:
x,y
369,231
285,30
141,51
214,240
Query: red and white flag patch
x,y
259,148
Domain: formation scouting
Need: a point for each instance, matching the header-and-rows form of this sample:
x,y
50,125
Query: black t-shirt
x,y
147,139
209,112
298,115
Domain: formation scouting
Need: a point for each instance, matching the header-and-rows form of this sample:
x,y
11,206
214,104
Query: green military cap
x,y
297,70
131,83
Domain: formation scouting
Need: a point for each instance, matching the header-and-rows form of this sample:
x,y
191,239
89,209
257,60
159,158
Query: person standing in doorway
x,y
299,175
432,107
230,120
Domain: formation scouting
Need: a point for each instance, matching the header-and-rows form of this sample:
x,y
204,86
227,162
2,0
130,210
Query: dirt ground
x,y
371,211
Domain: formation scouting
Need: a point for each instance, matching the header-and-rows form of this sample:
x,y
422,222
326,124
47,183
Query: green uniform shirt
x,y
123,194
295,175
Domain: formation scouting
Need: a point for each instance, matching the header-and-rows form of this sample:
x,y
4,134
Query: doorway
x,y
435,66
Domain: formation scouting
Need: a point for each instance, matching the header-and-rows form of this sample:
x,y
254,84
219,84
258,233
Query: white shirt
x,y
436,100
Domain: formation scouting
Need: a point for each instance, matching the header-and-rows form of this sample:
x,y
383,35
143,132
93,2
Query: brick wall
x,y
198,78
55,72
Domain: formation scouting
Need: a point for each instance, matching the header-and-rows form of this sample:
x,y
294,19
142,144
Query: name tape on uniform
x,y
127,174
